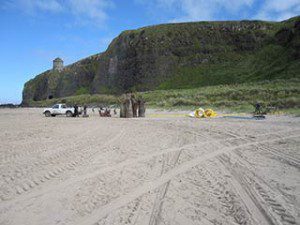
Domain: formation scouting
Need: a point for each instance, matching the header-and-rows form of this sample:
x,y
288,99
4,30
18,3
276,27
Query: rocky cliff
x,y
179,56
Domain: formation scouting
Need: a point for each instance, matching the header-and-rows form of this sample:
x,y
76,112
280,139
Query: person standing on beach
x,y
84,111
257,108
76,114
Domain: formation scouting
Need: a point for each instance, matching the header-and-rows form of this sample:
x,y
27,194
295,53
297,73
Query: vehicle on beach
x,y
61,109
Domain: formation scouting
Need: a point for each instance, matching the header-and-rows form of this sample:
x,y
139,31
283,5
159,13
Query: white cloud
x,y
48,5
278,10
193,10
84,11
90,11
32,6
196,10
282,5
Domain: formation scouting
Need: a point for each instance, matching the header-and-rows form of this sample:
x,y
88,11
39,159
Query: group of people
x,y
130,107
104,111
76,111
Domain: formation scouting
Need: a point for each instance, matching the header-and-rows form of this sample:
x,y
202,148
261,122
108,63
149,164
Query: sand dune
x,y
175,171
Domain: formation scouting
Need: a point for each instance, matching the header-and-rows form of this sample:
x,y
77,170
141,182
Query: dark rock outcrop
x,y
140,60
284,36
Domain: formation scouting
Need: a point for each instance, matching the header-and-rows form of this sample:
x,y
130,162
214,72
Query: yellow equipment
x,y
209,113
201,113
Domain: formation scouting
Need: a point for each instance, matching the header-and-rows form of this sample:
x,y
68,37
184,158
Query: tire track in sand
x,y
257,193
95,216
29,148
214,184
283,157
33,181
36,180
156,209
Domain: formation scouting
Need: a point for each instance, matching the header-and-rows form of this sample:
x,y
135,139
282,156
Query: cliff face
x,y
74,79
163,55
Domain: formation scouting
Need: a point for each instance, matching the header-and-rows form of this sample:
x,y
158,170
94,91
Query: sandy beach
x,y
156,170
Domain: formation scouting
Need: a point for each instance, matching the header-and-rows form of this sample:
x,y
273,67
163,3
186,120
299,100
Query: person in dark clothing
x,y
258,108
85,111
76,114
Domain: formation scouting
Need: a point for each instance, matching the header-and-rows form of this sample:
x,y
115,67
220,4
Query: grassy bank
x,y
284,95
78,99
279,93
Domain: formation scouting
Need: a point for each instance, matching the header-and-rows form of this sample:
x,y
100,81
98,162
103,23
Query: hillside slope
x,y
182,55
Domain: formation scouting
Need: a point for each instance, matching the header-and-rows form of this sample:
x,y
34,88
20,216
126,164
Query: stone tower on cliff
x,y
58,64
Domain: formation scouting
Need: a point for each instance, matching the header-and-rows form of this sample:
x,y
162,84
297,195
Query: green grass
x,y
82,91
270,63
78,99
283,95
295,112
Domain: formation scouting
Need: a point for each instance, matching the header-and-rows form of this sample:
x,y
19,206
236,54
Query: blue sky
x,y
34,32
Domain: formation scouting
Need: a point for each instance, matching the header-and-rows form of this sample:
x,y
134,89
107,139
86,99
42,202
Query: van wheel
x,y
47,114
69,114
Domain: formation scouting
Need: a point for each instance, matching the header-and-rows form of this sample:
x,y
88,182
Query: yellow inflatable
x,y
209,113
201,113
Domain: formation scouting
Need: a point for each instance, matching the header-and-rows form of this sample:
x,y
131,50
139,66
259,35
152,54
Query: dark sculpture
x,y
131,107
